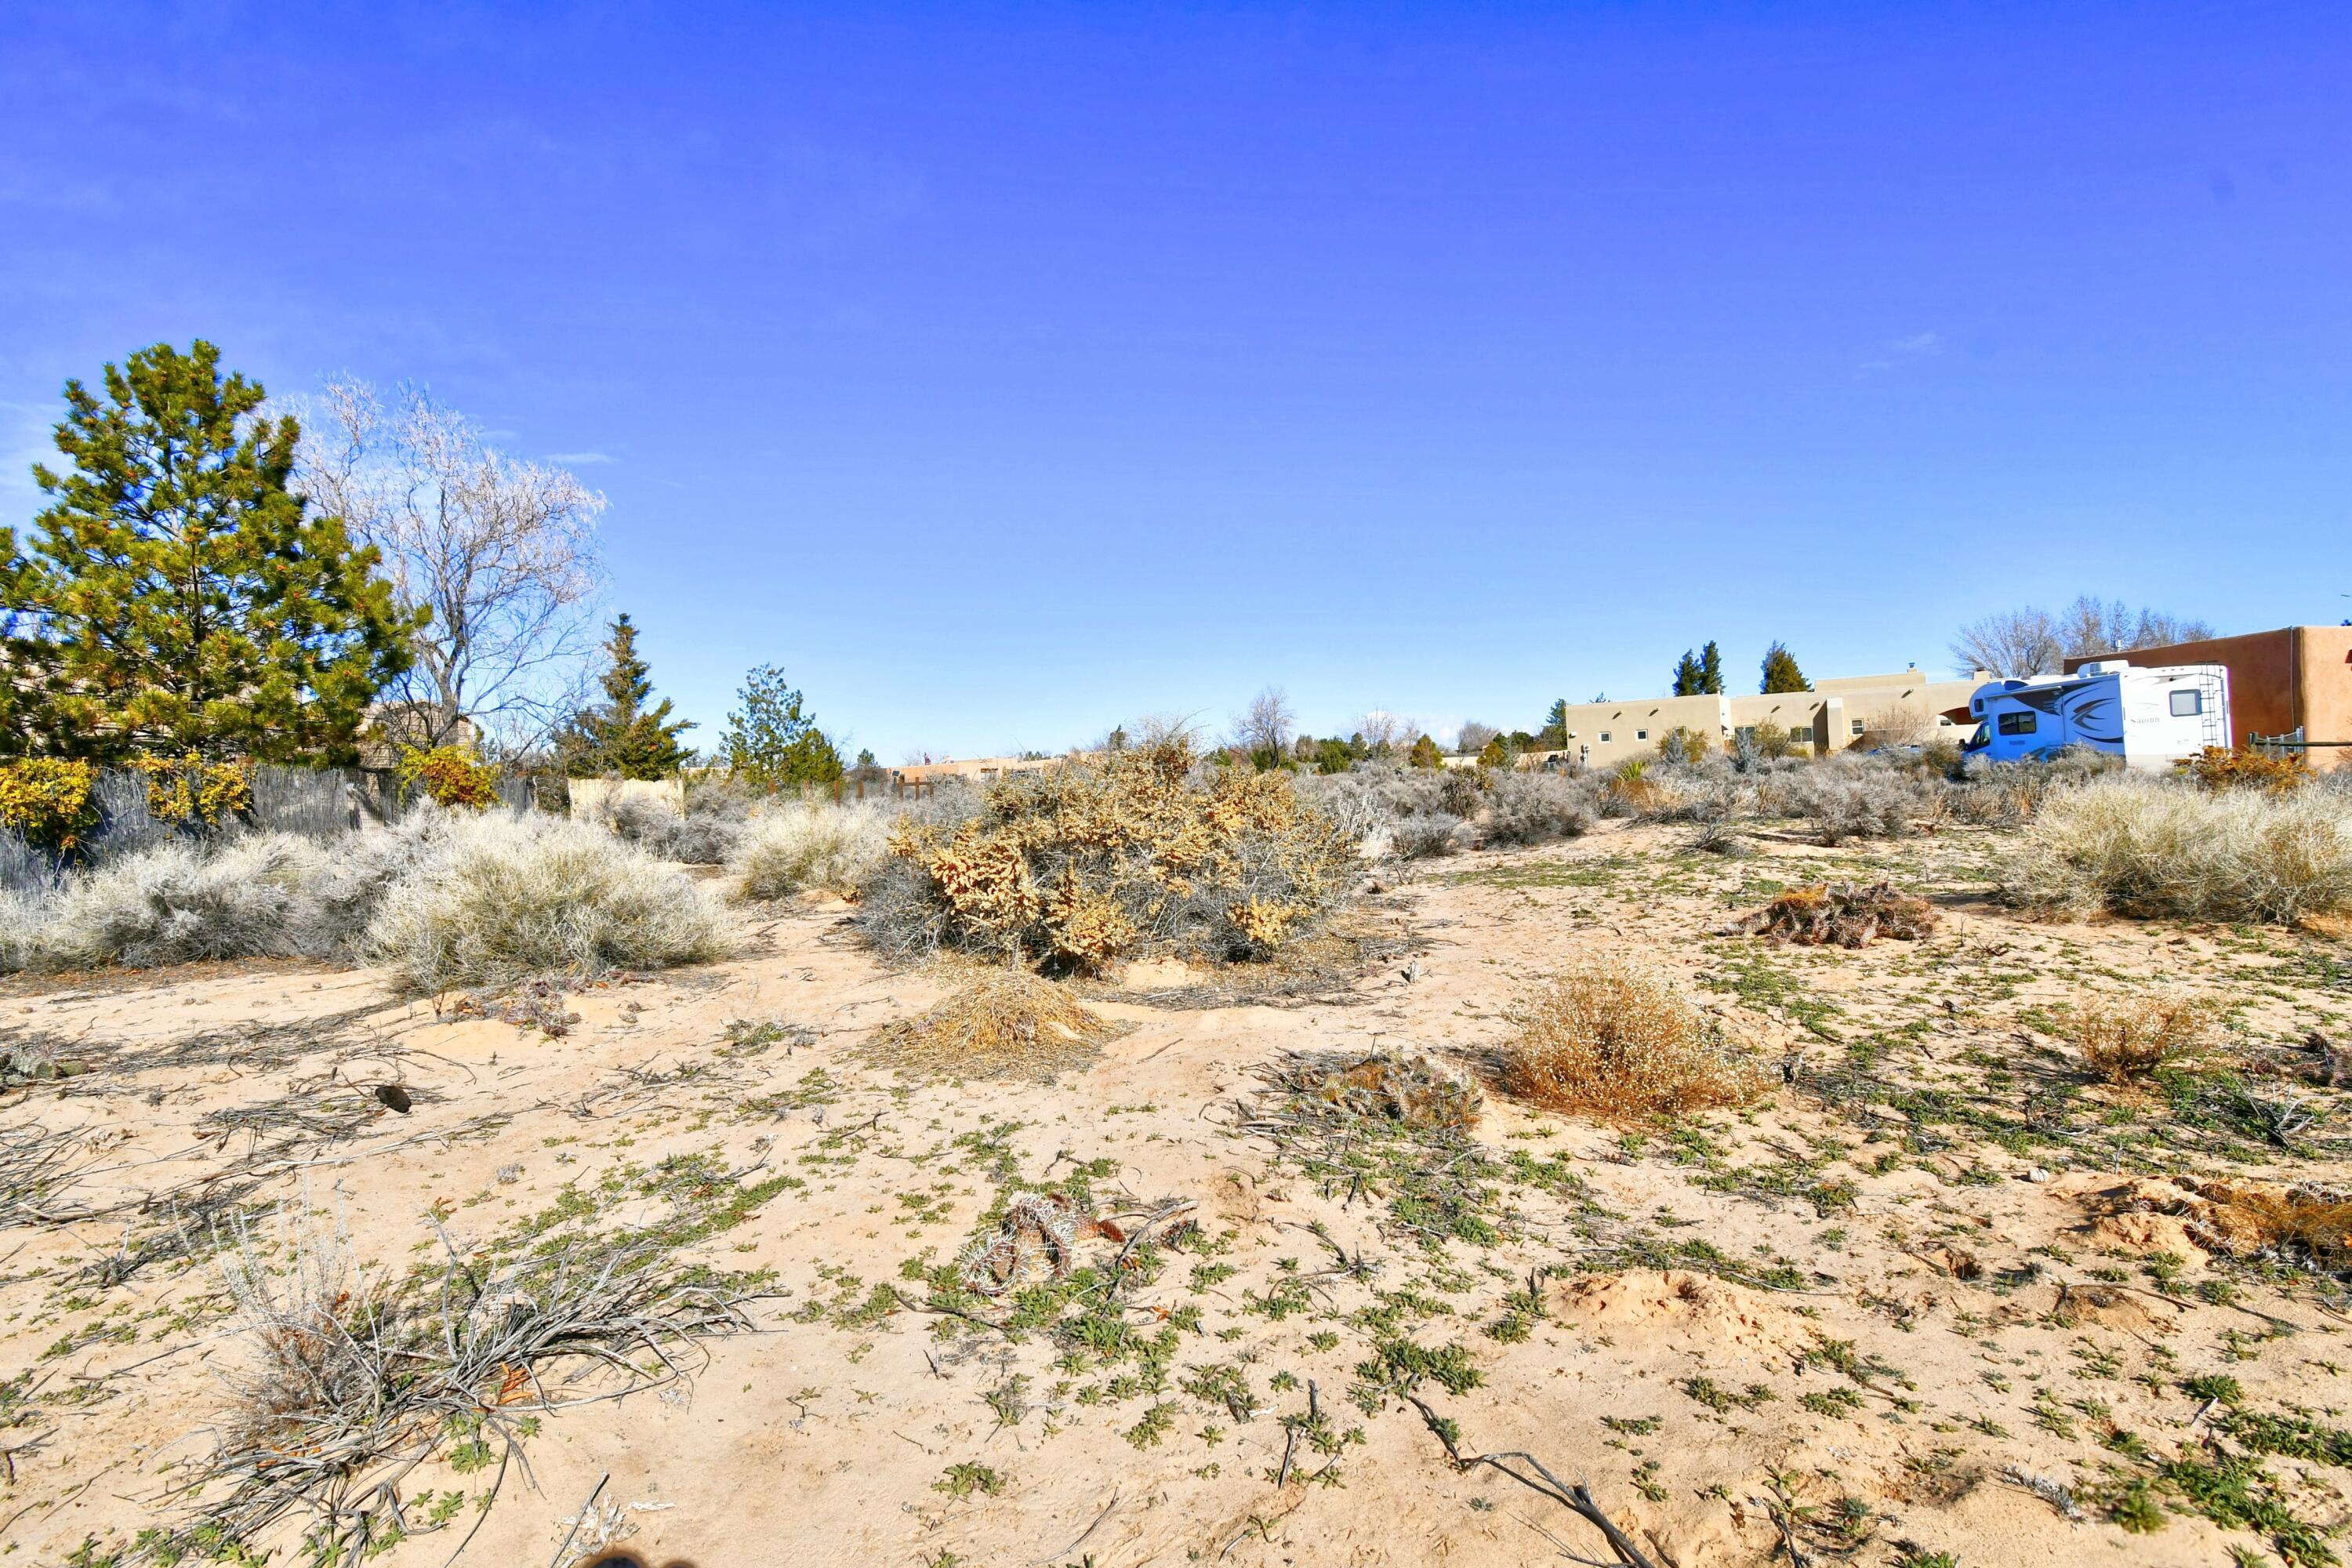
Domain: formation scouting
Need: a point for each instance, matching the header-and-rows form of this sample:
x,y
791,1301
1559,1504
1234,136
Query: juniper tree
x,y
622,736
1710,670
175,595
1780,671
773,740
1689,677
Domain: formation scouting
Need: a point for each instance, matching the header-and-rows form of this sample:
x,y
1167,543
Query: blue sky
x,y
1004,372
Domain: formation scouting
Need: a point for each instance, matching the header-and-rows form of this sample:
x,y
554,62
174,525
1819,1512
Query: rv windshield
x,y
1977,740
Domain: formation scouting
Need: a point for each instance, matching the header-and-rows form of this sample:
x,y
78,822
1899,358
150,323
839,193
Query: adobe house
x,y
2297,678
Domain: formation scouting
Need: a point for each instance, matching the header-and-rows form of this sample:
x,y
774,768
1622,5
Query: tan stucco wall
x,y
1830,710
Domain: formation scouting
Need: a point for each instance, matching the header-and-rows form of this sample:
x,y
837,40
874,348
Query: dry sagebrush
x,y
503,898
2148,847
2126,1038
797,849
1610,1039
1141,855
446,899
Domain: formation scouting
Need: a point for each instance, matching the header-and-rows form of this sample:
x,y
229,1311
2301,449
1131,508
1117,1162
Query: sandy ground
x,y
1847,1320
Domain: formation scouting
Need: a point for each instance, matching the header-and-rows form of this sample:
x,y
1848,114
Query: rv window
x,y
2017,723
2188,704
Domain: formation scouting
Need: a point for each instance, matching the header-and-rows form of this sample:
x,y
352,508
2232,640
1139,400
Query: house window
x,y
1857,726
1604,737
1801,734
2188,704
1641,734
2017,723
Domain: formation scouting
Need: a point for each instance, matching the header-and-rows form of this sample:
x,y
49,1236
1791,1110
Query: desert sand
x,y
1855,1321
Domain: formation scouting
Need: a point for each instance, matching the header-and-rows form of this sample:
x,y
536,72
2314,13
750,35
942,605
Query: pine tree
x,y
773,740
1688,676
1780,671
175,595
1555,729
622,736
1710,670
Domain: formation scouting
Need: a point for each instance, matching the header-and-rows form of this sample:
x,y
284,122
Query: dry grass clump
x,y
2146,848
501,898
1840,914
2305,1222
1007,1023
2127,1038
1390,1086
1611,1040
1137,856
800,848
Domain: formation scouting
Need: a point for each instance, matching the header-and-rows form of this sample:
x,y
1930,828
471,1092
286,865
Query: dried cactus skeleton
x,y
1841,914
1037,1228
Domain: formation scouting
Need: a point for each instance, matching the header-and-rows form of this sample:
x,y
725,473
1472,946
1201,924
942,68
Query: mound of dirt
x,y
1696,1308
2202,1217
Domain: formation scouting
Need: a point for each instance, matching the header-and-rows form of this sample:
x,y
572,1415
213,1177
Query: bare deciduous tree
x,y
503,552
2012,645
2088,627
1382,731
1266,725
1473,737
2025,642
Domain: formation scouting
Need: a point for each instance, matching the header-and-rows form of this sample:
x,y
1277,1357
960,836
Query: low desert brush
x,y
1610,1038
1536,808
1077,868
2244,767
1843,915
1005,1023
2127,1038
501,898
2146,846
813,847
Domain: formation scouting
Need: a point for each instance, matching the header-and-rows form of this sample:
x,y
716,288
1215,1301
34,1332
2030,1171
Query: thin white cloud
x,y
580,457
1902,351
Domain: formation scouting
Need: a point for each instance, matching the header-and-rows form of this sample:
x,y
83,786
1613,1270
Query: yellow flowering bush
x,y
449,776
189,792
47,802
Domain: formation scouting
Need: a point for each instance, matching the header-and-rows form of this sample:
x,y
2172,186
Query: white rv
x,y
2150,718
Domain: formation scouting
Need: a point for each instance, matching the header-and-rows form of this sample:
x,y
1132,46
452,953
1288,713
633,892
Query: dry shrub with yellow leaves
x,y
1007,1022
2129,1037
1138,854
1610,1038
